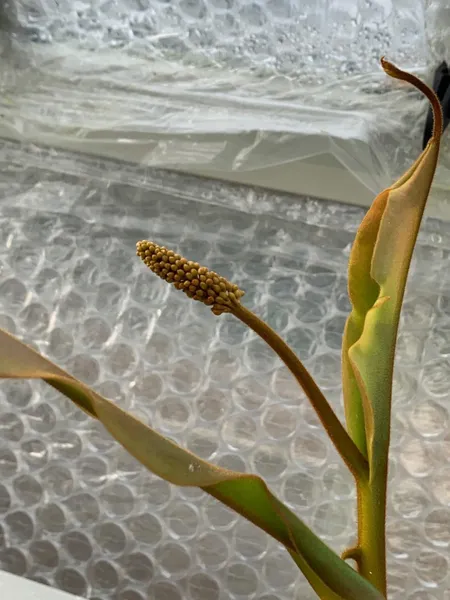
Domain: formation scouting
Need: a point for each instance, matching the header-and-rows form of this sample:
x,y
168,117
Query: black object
x,y
441,85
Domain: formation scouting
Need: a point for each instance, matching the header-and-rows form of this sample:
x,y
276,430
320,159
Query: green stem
x,y
352,457
372,531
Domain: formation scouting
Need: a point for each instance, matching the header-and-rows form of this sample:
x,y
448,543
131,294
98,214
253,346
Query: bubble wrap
x,y
272,36
76,511
224,85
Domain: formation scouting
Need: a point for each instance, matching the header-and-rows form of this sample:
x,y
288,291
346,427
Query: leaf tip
x,y
396,73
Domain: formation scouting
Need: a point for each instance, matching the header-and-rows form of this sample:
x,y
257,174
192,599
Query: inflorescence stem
x,y
215,291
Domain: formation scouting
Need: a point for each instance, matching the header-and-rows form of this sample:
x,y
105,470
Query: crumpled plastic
x,y
223,87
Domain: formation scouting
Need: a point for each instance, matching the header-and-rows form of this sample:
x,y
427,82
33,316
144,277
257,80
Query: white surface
x,y
20,588
317,170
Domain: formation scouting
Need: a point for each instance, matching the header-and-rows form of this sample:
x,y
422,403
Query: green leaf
x,y
248,495
378,270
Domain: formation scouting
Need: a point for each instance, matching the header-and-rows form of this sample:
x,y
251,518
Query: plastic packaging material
x,y
437,29
75,511
223,87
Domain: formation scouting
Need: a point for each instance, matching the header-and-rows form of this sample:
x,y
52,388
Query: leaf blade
x,y
378,271
246,494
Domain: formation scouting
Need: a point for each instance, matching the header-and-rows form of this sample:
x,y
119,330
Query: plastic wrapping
x,y
234,89
76,511
238,89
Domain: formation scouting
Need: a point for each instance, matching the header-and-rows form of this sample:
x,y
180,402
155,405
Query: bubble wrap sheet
x,y
224,86
80,514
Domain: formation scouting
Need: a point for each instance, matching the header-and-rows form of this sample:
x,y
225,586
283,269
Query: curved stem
x,y
343,443
353,553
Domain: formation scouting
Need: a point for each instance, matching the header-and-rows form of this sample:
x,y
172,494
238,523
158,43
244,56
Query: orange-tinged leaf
x,y
378,270
248,495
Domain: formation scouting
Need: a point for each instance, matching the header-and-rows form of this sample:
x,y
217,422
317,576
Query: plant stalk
x,y
350,453
372,531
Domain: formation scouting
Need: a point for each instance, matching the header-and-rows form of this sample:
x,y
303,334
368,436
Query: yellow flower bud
x,y
195,281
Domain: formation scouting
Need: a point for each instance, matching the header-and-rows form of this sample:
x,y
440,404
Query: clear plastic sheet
x,y
76,511
224,86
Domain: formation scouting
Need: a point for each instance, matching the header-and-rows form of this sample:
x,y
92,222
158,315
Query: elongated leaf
x,y
378,270
248,495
